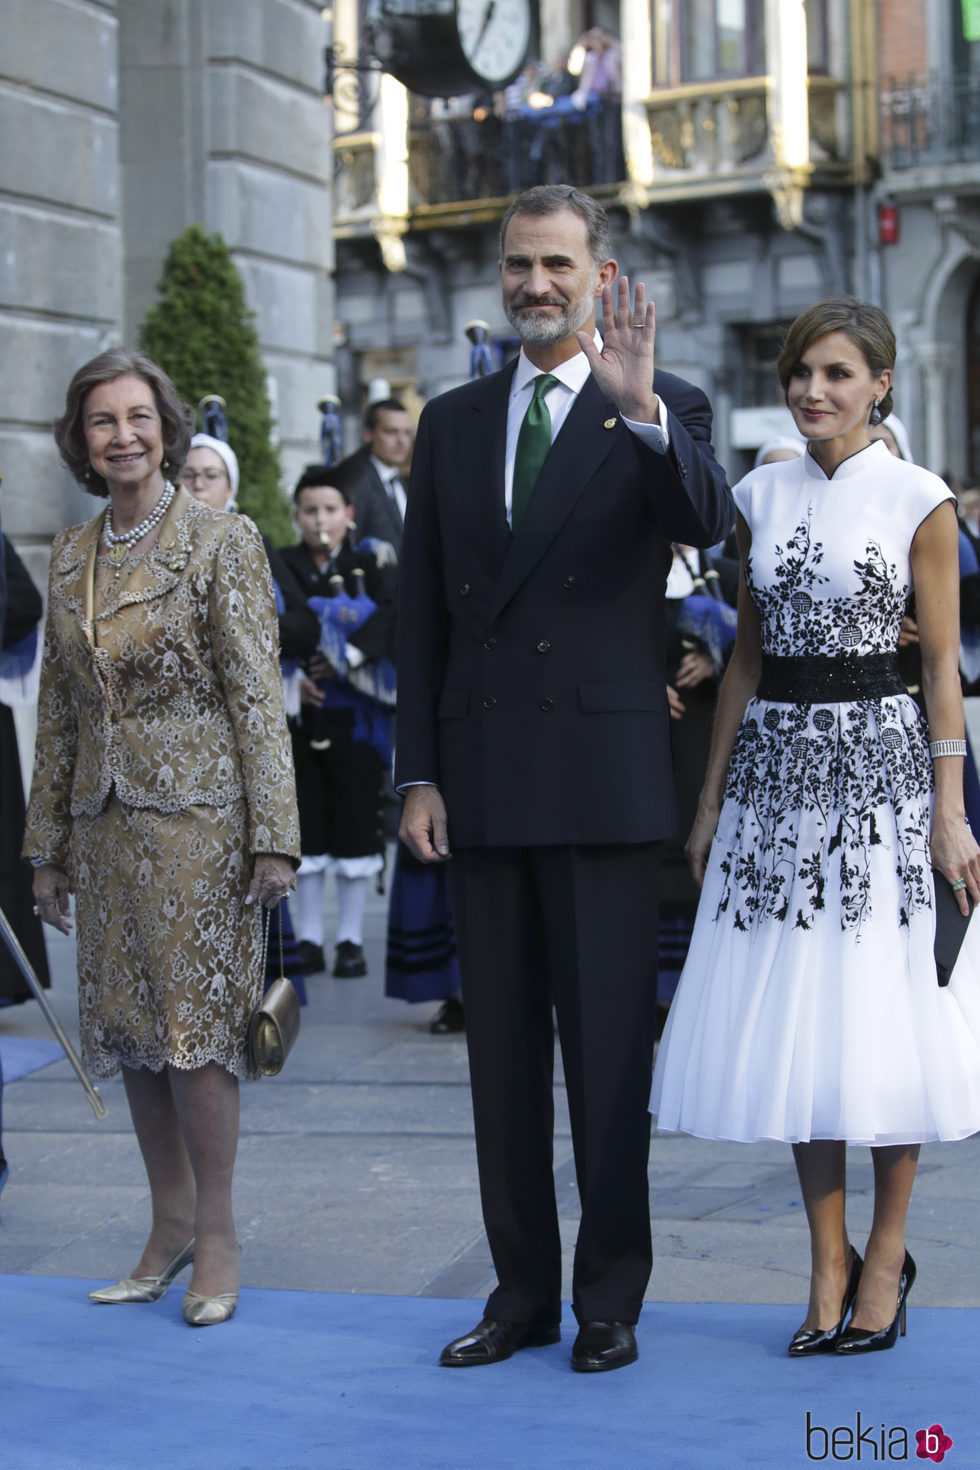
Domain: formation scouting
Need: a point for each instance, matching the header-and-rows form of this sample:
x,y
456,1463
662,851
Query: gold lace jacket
x,y
171,694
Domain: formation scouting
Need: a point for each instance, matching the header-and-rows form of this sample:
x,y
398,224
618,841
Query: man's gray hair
x,y
552,199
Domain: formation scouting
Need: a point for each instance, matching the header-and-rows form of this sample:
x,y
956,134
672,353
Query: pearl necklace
x,y
120,543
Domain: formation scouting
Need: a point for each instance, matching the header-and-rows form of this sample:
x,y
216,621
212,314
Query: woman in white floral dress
x,y
163,799
809,1008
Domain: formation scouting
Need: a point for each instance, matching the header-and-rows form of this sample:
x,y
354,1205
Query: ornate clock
x,y
440,48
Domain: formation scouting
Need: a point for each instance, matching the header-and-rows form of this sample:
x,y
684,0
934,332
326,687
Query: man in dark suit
x,y
371,475
533,734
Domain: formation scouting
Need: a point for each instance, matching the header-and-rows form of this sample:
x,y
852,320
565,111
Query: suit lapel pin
x,y
609,424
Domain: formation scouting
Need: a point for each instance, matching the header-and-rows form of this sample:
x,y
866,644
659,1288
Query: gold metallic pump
x,y
208,1311
144,1288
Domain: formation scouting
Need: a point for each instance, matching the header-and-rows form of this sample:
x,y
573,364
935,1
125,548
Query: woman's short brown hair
x,y
865,325
176,419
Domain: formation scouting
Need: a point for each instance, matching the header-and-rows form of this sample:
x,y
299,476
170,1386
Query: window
x,y
817,44
721,38
761,346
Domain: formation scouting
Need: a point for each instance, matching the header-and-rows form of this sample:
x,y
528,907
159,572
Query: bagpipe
x,y
705,615
368,688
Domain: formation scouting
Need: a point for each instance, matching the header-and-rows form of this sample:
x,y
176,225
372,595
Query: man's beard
x,y
544,331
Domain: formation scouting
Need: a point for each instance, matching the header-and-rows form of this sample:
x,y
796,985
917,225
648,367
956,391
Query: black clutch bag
x,y
951,927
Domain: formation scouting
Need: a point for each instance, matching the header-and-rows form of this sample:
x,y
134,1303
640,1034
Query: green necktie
x,y
533,443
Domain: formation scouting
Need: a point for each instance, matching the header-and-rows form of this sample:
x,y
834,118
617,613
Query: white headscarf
x,y
781,441
226,454
901,436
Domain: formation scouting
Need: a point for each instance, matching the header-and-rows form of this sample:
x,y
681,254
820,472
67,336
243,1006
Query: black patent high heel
x,y
812,1340
857,1340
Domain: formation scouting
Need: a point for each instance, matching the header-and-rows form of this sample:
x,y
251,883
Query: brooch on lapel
x,y
609,424
176,556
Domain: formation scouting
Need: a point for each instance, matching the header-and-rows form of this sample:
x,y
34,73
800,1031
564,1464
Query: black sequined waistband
x,y
820,680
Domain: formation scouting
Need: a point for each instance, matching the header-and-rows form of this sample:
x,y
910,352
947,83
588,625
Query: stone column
x,y
59,246
935,361
223,124
637,41
786,103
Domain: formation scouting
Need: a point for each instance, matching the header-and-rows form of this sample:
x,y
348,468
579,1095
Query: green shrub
x,y
201,332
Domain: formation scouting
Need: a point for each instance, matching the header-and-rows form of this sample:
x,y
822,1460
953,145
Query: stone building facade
x,y
750,182
929,191
123,121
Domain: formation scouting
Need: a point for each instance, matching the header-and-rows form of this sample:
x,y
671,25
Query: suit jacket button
x,y
489,702
489,642
547,705
569,581
464,591
543,646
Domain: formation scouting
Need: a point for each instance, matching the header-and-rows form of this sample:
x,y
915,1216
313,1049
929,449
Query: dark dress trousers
x,y
532,692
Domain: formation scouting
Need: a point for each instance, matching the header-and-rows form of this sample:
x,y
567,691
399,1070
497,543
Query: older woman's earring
x,y
87,472
875,414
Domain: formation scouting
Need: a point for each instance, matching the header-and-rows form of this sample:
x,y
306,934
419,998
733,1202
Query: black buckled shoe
x,y
310,956
349,962
602,1346
448,1020
492,1342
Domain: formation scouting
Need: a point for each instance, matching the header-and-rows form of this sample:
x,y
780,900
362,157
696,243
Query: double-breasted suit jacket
x,y
532,691
532,687
163,764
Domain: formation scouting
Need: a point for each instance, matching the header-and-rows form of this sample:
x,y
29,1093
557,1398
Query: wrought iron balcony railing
x,y
468,158
930,120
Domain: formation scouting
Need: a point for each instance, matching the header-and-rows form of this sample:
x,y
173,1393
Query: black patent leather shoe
x,y
810,1341
601,1346
492,1342
449,1019
854,1340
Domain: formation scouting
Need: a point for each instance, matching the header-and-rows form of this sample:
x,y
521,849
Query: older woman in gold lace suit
x,y
163,799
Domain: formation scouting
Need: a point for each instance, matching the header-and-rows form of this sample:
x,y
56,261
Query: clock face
x,y
494,36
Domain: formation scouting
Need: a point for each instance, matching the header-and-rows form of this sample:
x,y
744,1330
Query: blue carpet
x,y
20,1055
302,1380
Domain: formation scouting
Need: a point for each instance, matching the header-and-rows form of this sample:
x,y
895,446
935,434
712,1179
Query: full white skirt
x,y
820,1031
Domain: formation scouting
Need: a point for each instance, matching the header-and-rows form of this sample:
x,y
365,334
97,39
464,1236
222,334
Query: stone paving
x,y
357,1173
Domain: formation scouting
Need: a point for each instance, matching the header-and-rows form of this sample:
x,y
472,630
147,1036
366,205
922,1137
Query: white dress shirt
x,y
572,376
392,481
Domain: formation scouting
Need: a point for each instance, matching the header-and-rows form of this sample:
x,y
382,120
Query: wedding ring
x,y
638,326
958,884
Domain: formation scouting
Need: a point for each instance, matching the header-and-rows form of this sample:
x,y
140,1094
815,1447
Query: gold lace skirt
x,y
169,957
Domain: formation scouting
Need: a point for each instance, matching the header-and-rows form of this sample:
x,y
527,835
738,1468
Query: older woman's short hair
x,y
865,325
176,419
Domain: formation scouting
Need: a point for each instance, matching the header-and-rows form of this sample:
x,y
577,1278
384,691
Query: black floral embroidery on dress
x,y
796,620
819,787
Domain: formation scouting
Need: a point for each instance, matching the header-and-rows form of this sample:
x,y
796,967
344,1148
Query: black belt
x,y
819,680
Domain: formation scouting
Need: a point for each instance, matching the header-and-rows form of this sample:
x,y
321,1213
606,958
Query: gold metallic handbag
x,y
275,1023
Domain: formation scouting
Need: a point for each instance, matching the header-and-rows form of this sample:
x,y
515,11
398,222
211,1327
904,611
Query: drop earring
x,y
875,419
